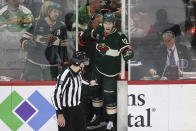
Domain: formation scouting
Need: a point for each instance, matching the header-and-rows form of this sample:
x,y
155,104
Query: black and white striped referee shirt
x,y
68,90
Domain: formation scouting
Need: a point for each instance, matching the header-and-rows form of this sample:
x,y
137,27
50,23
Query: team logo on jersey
x,y
125,41
102,48
48,38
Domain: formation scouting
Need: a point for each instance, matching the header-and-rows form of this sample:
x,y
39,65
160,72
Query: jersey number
x,y
125,41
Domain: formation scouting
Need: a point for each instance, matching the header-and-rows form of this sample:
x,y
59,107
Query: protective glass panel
x,y
156,27
38,37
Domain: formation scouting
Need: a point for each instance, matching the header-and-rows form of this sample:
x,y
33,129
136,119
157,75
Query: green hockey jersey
x,y
15,21
45,43
108,51
83,18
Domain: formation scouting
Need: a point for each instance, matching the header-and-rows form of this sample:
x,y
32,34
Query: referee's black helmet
x,y
78,57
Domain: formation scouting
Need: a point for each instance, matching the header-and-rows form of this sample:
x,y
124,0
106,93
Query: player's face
x,y
54,14
108,26
169,42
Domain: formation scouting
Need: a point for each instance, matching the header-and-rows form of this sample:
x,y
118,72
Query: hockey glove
x,y
128,54
81,40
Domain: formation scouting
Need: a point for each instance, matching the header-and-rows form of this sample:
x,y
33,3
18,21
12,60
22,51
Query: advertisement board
x,y
148,108
27,108
162,107
142,106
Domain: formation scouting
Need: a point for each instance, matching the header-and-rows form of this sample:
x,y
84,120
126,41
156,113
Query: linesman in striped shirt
x,y
67,94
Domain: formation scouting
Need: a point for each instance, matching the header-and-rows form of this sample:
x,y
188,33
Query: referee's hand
x,y
93,83
61,120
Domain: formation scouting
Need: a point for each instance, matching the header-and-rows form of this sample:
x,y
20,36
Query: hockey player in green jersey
x,y
45,43
15,17
111,43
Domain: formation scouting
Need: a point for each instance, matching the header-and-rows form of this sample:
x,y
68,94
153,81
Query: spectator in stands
x,y
34,6
15,17
150,44
107,2
45,43
113,6
162,22
140,24
14,20
85,13
171,54
192,21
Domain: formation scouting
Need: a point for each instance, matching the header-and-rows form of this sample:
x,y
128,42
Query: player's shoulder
x,y
66,72
24,9
120,34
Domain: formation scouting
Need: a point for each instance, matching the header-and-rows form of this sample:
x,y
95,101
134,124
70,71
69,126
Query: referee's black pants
x,y
74,119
